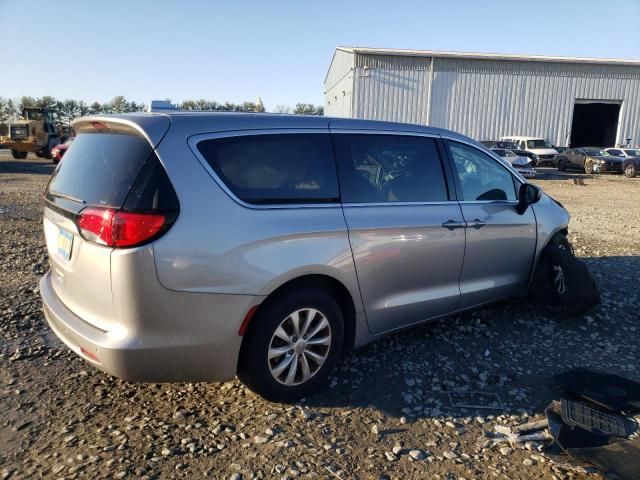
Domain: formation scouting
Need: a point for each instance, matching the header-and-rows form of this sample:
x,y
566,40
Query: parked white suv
x,y
540,147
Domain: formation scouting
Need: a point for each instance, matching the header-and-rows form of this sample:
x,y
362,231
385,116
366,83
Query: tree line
x,y
70,109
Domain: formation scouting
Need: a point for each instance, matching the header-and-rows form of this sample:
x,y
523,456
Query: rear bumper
x,y
196,352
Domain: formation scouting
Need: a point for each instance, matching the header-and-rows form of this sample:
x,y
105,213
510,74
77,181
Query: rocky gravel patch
x,y
413,405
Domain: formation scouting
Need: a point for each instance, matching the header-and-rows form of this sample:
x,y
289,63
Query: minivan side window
x,y
275,168
481,177
377,168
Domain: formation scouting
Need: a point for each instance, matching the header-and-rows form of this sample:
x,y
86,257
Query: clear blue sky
x,y
278,50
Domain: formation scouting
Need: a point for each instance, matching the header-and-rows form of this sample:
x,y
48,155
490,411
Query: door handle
x,y
477,224
452,224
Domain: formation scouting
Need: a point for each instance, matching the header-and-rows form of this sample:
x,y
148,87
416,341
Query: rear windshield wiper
x,y
64,195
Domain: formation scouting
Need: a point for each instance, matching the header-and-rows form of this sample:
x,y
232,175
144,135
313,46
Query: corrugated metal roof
x,y
488,56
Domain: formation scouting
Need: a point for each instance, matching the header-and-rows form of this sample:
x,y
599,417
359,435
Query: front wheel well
x,y
324,282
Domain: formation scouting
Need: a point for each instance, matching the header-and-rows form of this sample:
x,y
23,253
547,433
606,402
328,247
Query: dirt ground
x,y
387,413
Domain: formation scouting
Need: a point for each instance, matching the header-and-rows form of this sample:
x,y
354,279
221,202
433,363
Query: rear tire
x,y
19,155
276,362
561,166
630,170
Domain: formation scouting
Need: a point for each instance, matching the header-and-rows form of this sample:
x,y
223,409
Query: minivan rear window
x,y
275,168
100,168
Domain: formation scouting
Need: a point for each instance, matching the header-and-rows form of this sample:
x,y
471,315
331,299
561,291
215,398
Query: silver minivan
x,y
201,246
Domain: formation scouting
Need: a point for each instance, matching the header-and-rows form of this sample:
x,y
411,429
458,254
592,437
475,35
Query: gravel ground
x,y
387,413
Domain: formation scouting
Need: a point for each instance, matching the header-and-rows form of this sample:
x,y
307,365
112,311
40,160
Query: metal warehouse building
x,y
570,101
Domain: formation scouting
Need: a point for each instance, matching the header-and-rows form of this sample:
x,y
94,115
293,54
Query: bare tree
x,y
68,109
188,106
282,109
119,104
26,102
5,115
95,107
83,108
308,109
46,102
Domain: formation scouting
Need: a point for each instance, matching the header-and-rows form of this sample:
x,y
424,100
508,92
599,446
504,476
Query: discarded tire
x,y
563,280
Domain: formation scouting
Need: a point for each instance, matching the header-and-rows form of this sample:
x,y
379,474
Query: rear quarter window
x,y
275,169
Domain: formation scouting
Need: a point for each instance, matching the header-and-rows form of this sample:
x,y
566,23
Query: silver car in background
x,y
523,165
201,246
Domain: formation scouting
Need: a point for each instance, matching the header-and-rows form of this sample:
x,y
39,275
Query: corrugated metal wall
x,y
391,88
488,99
338,85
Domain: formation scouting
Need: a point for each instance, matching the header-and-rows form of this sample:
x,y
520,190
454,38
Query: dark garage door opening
x,y
594,124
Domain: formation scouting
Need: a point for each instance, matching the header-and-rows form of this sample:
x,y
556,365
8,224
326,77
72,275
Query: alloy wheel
x,y
629,171
299,347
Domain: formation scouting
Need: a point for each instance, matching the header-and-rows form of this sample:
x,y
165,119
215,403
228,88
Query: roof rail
x,y
162,106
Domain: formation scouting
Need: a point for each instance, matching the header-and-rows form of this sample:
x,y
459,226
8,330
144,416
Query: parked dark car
x,y
514,147
560,149
630,160
589,160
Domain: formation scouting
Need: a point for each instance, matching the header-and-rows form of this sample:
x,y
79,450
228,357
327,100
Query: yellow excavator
x,y
38,133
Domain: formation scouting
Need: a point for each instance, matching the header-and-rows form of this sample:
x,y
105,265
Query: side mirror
x,y
527,195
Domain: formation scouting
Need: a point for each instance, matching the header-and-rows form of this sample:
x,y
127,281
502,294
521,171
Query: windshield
x,y
538,144
632,152
594,152
33,115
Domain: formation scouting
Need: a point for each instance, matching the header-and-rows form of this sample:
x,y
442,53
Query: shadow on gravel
x,y
496,359
44,167
553,174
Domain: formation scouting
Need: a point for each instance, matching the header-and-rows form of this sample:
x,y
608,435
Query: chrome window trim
x,y
495,202
398,204
193,141
403,133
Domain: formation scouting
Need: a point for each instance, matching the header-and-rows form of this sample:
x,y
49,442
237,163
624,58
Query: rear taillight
x,y
116,228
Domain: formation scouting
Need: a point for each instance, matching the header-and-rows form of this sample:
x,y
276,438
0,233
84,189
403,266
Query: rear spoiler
x,y
151,126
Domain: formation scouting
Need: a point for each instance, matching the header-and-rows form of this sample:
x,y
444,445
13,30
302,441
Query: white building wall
x,y
391,88
339,99
338,85
490,99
